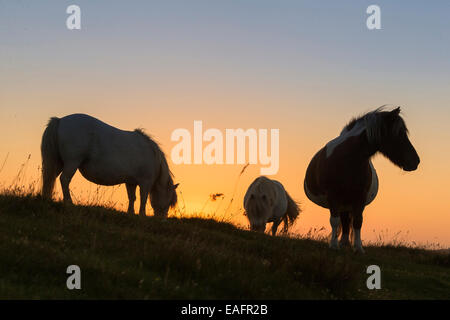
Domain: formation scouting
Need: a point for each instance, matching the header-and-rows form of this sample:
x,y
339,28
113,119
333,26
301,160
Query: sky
x,y
302,67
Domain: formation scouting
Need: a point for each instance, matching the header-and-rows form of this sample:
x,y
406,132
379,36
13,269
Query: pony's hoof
x,y
344,243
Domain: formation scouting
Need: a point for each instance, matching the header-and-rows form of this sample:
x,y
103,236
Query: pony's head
x,y
258,210
389,134
163,197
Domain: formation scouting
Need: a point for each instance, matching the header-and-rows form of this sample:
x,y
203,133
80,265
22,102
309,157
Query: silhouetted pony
x,y
108,156
341,177
266,201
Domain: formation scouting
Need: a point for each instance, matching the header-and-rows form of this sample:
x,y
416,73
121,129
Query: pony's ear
x,y
395,112
175,186
393,115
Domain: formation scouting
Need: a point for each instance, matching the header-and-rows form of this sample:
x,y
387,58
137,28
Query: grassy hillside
x,y
149,258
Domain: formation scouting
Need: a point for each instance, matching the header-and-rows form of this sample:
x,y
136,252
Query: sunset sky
x,y
303,67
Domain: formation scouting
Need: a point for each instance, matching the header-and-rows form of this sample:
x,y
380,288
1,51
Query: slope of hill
x,y
125,257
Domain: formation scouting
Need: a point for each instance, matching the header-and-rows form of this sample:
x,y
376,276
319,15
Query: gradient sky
x,y
304,67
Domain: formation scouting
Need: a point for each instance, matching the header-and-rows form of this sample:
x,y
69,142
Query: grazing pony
x,y
107,156
341,177
266,201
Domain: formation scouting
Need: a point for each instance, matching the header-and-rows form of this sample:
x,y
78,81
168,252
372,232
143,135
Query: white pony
x,y
108,156
266,201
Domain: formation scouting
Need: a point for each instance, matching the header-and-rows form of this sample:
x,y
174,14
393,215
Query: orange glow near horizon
x,y
403,205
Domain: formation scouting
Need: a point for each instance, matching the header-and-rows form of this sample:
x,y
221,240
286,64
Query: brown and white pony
x,y
265,201
341,177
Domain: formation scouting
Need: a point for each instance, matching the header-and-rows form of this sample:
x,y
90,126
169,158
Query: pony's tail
x,y
51,160
292,212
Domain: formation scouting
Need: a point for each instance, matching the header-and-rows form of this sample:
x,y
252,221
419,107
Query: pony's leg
x,y
131,191
275,225
144,190
345,222
357,223
335,222
65,178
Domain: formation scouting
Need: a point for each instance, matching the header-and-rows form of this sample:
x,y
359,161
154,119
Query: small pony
x,y
266,201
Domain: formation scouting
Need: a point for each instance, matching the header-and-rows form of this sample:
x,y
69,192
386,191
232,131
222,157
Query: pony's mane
x,y
375,126
164,170
155,146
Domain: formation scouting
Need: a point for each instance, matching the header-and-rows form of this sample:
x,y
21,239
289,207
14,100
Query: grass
x,y
131,257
